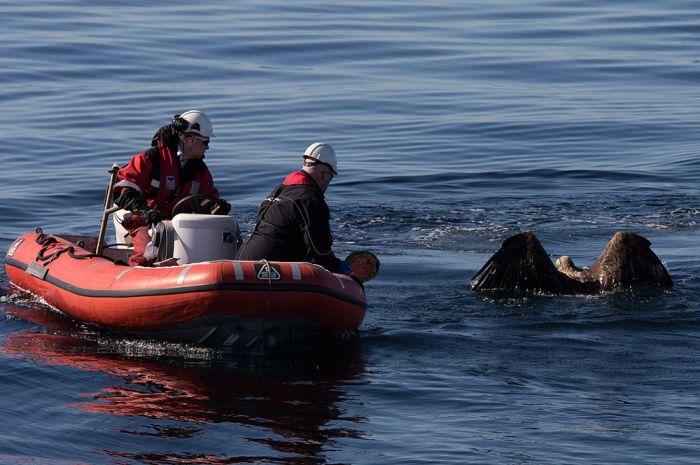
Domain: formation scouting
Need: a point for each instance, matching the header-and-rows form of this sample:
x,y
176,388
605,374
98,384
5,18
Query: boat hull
x,y
225,302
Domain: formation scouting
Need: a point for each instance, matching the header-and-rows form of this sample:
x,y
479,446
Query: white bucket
x,y
122,237
202,238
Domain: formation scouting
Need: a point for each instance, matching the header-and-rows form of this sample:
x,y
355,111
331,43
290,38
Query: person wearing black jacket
x,y
293,224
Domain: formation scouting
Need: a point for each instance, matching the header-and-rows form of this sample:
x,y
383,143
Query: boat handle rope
x,y
261,331
269,285
46,241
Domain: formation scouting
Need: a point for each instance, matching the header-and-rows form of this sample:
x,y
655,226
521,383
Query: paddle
x,y
364,264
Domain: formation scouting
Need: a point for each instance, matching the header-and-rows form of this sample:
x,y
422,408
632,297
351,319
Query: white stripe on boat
x,y
238,270
123,273
181,278
206,336
231,340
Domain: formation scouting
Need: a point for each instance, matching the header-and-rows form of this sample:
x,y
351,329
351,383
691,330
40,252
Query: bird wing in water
x,y
522,265
628,259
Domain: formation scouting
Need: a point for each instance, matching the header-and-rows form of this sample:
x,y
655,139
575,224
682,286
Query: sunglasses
x,y
320,163
203,140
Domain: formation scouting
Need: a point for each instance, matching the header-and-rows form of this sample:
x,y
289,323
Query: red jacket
x,y
163,191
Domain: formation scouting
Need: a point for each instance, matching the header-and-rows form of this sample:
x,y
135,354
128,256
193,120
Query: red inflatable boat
x,y
222,302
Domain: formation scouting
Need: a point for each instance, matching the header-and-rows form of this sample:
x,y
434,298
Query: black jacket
x,y
293,225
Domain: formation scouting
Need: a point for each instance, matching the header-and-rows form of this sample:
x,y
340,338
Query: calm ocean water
x,y
457,123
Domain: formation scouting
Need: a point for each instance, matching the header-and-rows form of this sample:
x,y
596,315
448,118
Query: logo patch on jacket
x,y
170,183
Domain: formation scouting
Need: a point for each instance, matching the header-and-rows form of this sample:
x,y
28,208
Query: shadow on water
x,y
287,404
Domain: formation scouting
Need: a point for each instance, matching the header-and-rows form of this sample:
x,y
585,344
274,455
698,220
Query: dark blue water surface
x,y
456,123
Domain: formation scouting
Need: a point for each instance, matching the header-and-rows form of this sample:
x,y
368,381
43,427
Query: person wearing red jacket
x,y
293,224
155,180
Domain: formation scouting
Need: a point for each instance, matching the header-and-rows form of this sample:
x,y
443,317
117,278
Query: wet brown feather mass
x,y
522,265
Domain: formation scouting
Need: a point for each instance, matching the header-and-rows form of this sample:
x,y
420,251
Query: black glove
x,y
224,208
345,268
130,199
152,216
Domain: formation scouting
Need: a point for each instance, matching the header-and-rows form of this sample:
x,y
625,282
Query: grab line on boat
x,y
242,287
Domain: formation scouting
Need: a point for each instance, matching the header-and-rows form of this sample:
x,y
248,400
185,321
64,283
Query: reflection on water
x,y
289,403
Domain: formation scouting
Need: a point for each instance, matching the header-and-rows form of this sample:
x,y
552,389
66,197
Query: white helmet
x,y
324,153
197,122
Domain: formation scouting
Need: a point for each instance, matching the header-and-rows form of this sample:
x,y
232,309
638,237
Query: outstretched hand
x,y
364,264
